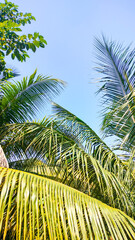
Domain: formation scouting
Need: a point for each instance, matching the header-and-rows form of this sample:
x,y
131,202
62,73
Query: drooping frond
x,y
54,172
22,100
86,138
36,207
55,148
76,128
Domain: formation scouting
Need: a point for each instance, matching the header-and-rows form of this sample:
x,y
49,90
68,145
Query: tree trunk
x,y
3,160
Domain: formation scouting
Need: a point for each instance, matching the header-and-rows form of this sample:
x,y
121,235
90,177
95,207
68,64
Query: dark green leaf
x,y
41,44
32,46
12,55
8,51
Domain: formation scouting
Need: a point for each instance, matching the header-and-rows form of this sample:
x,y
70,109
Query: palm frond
x,y
75,127
84,136
57,149
36,207
39,167
116,64
22,100
119,121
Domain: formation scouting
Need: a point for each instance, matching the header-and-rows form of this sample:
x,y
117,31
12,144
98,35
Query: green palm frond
x,y
33,207
36,166
55,148
52,171
116,64
22,100
129,176
119,121
76,128
84,136
117,67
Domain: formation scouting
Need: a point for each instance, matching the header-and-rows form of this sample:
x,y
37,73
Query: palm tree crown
x,y
64,182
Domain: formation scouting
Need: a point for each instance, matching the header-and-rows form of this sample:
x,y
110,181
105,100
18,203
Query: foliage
x,y
21,100
11,42
117,66
58,156
37,207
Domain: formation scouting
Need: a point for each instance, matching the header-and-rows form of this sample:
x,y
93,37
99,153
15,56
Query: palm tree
x,y
65,182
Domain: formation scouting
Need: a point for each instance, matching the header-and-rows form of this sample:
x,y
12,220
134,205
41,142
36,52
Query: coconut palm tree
x,y
64,182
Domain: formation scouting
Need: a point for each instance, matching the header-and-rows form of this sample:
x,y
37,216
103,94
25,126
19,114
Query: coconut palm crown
x,y
64,182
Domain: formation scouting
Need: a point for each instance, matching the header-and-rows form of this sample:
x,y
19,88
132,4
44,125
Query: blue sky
x,y
69,26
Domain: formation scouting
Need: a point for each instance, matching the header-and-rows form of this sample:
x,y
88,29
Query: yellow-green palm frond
x,y
33,207
40,168
81,168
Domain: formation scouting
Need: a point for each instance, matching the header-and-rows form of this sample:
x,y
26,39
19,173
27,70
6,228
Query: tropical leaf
x,y
75,127
39,167
81,169
21,100
118,68
84,136
121,124
33,207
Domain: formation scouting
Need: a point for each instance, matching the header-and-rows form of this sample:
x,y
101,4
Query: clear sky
x,y
69,26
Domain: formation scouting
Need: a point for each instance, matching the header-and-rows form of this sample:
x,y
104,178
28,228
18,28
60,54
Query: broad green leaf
x,y
32,46
13,56
36,35
41,44
36,43
30,36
